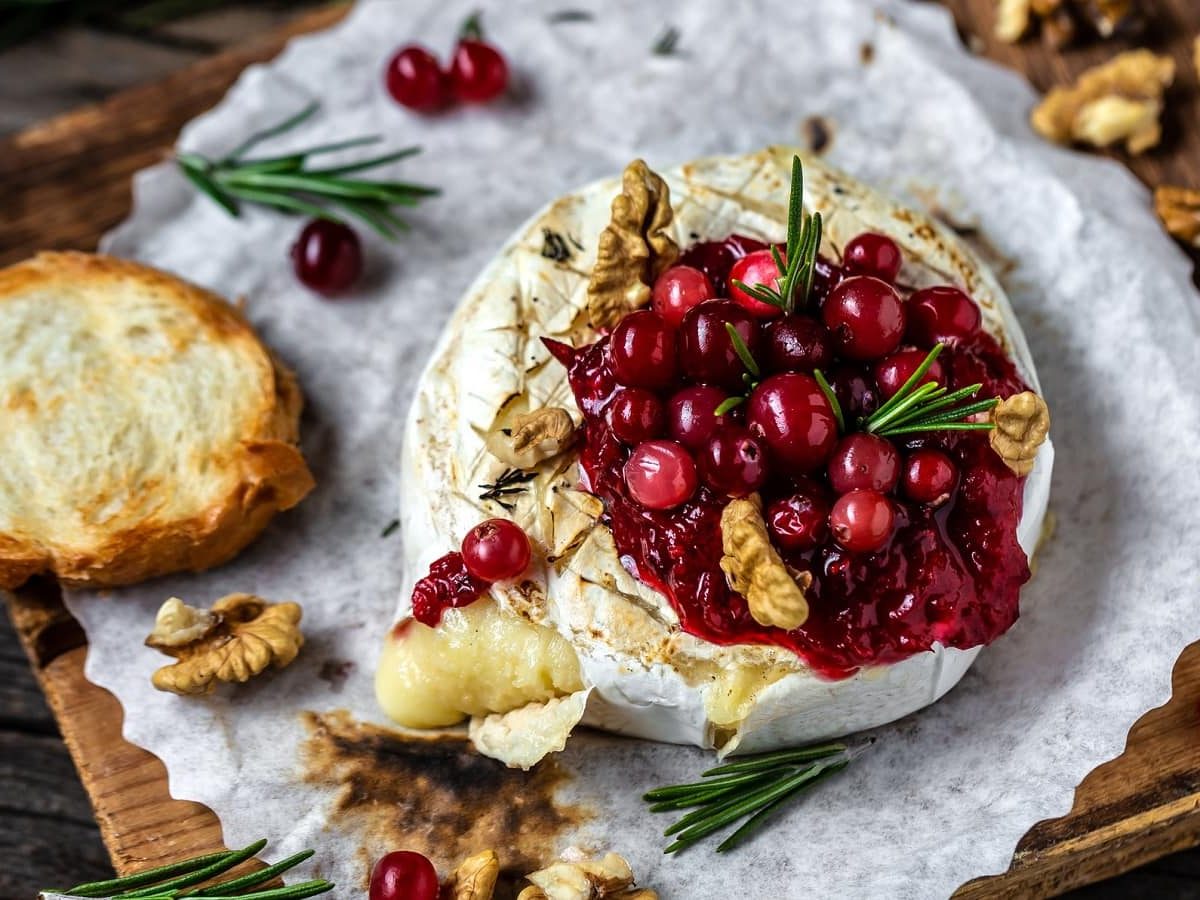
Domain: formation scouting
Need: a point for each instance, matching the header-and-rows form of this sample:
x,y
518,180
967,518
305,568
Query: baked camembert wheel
x,y
712,489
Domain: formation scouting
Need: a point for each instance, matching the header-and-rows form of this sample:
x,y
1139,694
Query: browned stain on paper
x,y
436,795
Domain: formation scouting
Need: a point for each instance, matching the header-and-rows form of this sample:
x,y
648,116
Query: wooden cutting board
x,y
66,181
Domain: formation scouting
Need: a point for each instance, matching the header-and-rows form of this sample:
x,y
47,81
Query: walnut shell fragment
x,y
1119,101
1013,20
476,878
245,635
1022,423
585,879
532,437
756,571
634,249
1178,208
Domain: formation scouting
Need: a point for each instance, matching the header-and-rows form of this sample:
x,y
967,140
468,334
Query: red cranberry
x,y
795,420
414,79
929,477
478,72
892,371
798,344
636,415
496,550
873,254
643,350
862,521
734,462
660,474
826,277
714,258
855,391
679,289
942,313
864,462
754,269
327,257
404,875
706,351
799,522
866,317
691,414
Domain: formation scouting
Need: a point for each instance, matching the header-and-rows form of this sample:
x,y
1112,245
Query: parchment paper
x,y
1106,303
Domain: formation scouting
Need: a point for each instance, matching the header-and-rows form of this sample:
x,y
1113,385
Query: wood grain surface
x,y
66,181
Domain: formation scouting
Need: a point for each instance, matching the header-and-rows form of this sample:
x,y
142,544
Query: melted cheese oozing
x,y
479,660
735,690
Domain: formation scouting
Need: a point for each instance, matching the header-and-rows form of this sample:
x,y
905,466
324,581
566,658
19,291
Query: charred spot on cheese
x,y
436,795
478,660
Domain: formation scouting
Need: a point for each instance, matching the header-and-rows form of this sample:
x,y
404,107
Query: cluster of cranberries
x,y
403,875
681,372
477,73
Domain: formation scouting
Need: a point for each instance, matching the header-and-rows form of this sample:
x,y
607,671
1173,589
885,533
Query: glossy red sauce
x,y
447,585
948,576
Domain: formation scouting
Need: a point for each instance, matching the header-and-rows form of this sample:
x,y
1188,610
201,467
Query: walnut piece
x,y
634,248
1178,209
1120,100
249,635
476,878
177,624
1113,17
532,437
1013,19
1022,423
581,878
756,571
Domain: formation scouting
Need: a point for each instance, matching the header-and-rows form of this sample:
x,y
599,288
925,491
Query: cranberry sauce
x,y
949,573
447,585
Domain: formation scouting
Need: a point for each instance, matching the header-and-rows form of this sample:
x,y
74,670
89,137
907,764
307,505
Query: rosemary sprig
x,y
751,376
667,42
176,880
749,789
918,408
834,403
289,183
794,284
510,481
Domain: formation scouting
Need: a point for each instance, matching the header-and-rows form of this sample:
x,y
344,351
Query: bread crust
x,y
266,471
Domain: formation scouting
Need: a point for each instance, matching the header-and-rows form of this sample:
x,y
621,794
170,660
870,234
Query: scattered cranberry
x,y
496,550
855,391
404,875
636,415
734,462
660,474
929,477
792,415
864,462
757,268
414,79
706,352
679,289
798,344
799,522
478,72
643,350
327,257
873,254
866,317
893,371
862,521
692,414
942,313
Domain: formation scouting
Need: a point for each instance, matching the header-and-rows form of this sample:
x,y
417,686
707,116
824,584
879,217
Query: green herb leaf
x,y
667,42
743,352
918,408
727,404
472,28
827,390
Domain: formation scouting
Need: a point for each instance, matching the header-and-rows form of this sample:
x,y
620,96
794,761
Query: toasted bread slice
x,y
144,428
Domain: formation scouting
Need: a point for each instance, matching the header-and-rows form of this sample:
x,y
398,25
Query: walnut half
x,y
755,569
234,641
1119,101
1022,424
476,878
585,879
532,437
635,248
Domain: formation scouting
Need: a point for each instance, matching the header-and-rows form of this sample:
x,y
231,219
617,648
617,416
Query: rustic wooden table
x,y
47,831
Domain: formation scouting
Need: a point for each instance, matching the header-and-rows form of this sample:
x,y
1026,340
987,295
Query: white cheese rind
x,y
646,677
